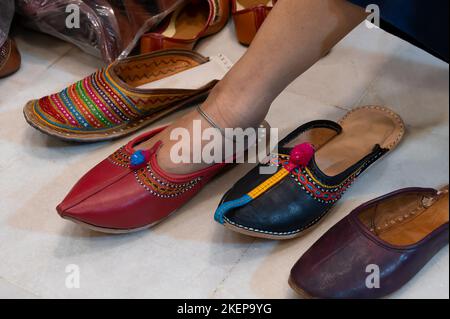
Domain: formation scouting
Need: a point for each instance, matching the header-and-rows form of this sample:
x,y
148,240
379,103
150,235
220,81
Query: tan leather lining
x,y
316,136
194,78
408,218
140,72
188,21
362,129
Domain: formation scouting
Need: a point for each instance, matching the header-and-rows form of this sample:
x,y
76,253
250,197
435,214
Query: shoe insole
x,y
246,4
188,21
407,227
196,77
362,129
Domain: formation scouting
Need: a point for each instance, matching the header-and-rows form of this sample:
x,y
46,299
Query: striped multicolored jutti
x,y
112,99
89,104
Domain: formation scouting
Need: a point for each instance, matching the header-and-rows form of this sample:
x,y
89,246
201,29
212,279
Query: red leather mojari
x,y
129,192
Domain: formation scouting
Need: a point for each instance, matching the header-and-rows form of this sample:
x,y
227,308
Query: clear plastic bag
x,y
105,28
6,16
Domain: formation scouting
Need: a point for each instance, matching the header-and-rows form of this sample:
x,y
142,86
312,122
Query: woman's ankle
x,y
232,108
225,110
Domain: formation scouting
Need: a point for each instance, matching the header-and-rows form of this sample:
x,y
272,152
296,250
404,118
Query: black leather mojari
x,y
287,205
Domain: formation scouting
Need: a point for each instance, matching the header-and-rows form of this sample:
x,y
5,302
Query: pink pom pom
x,y
300,156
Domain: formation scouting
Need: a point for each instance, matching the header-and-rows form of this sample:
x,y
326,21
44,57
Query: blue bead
x,y
137,158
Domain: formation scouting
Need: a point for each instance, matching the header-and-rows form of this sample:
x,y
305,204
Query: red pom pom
x,y
301,155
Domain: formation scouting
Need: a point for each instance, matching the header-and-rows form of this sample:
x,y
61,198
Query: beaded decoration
x,y
148,179
139,159
160,187
325,194
322,193
120,158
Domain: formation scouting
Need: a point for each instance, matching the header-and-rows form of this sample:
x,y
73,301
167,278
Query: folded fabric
x,y
106,28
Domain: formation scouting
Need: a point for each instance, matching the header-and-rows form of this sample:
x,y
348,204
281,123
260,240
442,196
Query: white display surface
x,y
189,255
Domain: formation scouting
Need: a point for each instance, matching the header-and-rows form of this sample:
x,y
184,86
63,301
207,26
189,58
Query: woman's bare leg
x,y
294,37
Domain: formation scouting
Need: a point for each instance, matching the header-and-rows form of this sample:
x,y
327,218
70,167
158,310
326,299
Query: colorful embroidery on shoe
x,y
159,187
327,195
120,158
299,157
148,179
97,102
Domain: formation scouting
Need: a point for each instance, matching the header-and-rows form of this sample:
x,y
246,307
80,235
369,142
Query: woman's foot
x,y
223,110
286,46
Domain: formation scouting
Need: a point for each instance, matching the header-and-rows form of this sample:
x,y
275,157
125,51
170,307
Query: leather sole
x,y
115,231
112,231
263,235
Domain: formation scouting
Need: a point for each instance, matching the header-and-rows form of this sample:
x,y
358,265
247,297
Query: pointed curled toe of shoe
x,y
128,191
295,197
376,249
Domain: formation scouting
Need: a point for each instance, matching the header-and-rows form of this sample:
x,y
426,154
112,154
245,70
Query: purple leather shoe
x,y
376,249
